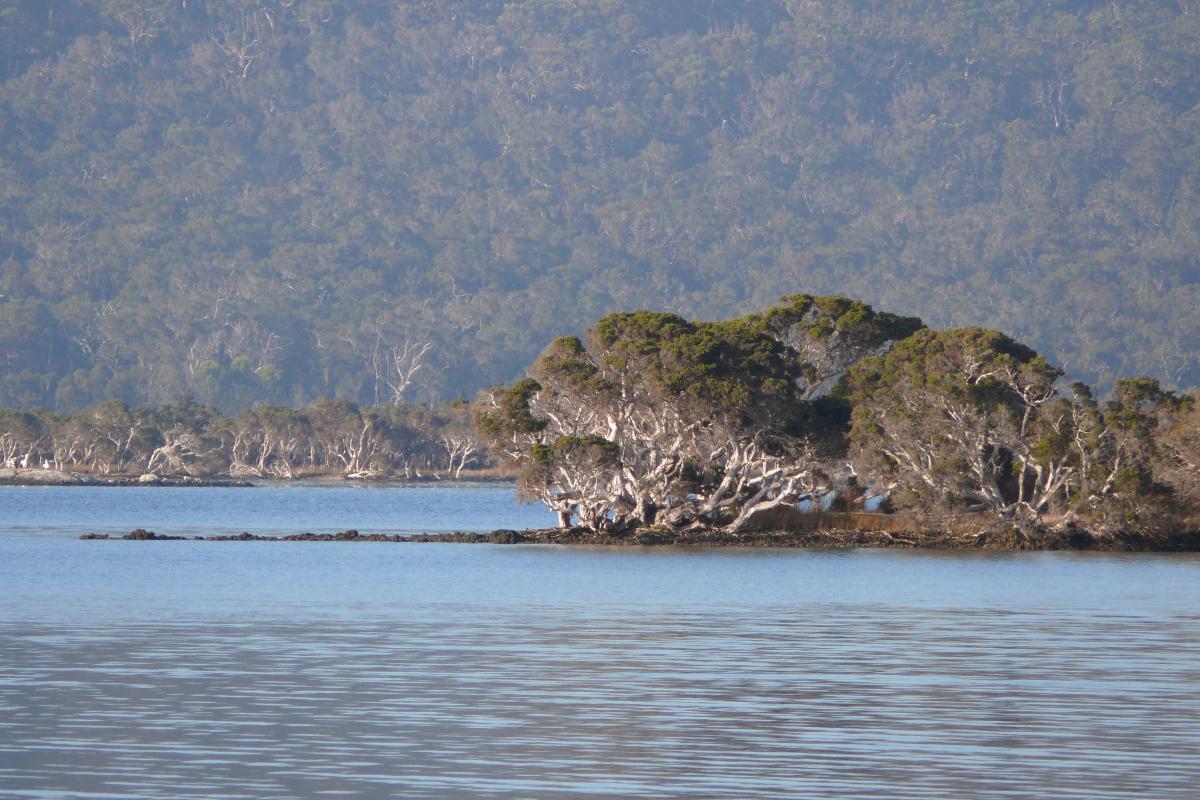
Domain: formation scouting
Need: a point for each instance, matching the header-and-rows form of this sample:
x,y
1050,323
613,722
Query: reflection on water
x,y
265,670
801,701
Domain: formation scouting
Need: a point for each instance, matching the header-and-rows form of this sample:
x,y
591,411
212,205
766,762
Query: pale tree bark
x,y
655,444
241,40
948,445
9,447
141,21
397,366
178,454
459,450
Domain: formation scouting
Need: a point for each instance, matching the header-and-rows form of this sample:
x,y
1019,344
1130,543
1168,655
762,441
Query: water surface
x,y
271,670
272,508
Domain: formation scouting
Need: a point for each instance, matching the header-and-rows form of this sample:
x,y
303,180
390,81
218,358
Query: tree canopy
x,y
273,201
658,420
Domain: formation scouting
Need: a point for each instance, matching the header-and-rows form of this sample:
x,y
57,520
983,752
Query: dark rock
x,y
1081,540
1070,536
141,534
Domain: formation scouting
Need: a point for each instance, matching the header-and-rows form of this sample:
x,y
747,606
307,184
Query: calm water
x,y
267,670
270,509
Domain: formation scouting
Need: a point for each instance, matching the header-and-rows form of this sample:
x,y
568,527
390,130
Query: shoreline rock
x,y
1070,539
57,477
10,476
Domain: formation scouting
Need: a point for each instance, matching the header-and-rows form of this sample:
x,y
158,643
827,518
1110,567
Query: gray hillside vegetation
x,y
384,201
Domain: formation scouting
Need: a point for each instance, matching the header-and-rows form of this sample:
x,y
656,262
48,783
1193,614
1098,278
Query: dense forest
x,y
272,201
656,421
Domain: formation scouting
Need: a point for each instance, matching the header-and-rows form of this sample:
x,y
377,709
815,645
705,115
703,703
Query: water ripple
x,y
828,701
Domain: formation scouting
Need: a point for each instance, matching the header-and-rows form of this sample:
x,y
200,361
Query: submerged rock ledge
x,y
1066,539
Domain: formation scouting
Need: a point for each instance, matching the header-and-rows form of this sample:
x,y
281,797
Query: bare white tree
x,y
460,448
242,39
141,20
396,366
178,455
612,450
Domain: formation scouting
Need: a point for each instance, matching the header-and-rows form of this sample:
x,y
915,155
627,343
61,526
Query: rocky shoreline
x,y
142,535
56,477
1065,539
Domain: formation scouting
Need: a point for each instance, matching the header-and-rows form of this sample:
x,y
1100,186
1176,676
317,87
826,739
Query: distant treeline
x,y
188,439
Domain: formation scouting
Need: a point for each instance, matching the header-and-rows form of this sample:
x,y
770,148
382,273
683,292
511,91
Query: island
x,y
818,422
826,421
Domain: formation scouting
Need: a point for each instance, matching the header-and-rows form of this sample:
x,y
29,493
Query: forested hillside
x,y
276,200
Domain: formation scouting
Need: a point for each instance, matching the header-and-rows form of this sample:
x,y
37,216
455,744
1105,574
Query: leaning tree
x,y
970,418
657,419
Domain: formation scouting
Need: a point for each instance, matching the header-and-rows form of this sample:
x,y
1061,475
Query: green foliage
x,y
966,417
512,414
728,366
592,448
567,360
966,364
820,317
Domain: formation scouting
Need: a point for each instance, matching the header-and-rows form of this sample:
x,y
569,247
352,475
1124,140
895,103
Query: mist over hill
x,y
276,200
